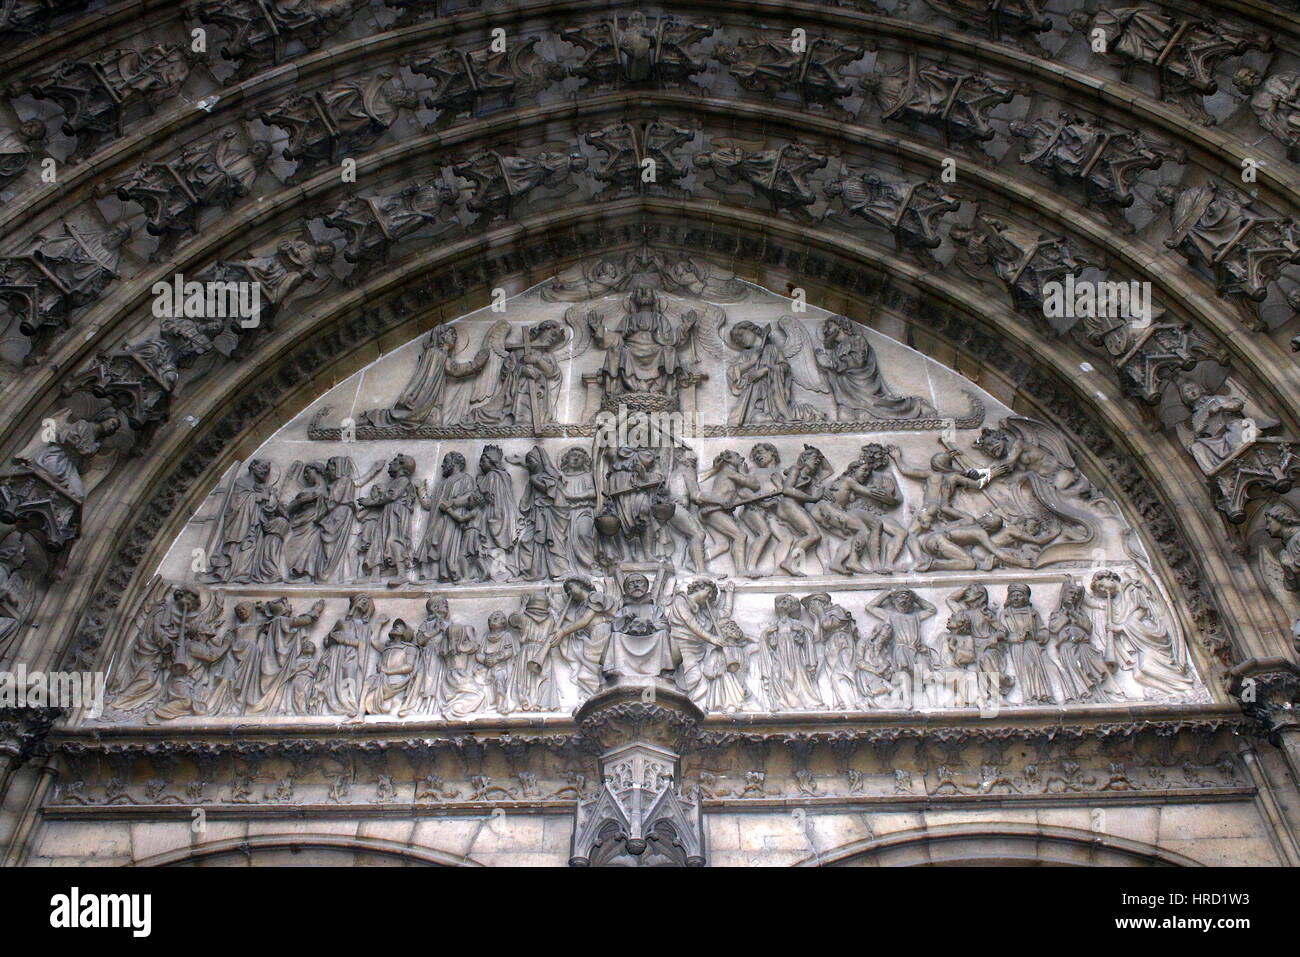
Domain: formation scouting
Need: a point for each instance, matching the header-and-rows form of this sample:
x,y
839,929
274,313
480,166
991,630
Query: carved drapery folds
x,y
337,121
100,96
43,285
1183,53
259,34
625,557
214,172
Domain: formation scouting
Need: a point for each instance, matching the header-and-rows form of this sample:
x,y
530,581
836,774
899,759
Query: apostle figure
x,y
428,398
282,637
303,555
789,667
580,495
386,511
543,536
239,553
443,552
1027,644
498,522
853,374
344,660
638,642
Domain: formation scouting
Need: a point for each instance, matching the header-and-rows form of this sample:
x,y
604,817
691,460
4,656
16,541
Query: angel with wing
x,y
773,359
1034,464
520,382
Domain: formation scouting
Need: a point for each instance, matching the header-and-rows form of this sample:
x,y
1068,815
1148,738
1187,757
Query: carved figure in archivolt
x,y
955,102
17,147
1275,101
630,51
780,175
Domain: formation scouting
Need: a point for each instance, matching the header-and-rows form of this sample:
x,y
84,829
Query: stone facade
x,y
470,446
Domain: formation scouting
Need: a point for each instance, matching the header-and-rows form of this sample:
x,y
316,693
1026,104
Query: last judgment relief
x,y
646,470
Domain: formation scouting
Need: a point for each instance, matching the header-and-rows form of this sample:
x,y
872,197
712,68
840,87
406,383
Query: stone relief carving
x,y
630,51
1183,53
336,121
528,573
912,212
1218,229
778,67
23,20
466,83
16,148
372,225
1275,101
954,102
1022,258
217,171
633,151
257,34
1014,22
57,274
780,175
1147,355
1103,162
99,97
500,181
